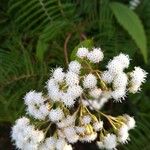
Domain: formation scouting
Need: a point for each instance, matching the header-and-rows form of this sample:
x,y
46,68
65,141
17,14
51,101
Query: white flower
x,y
95,93
70,134
74,66
68,121
75,91
50,143
100,144
67,147
137,78
98,125
54,94
22,121
89,137
80,129
90,81
120,80
29,146
33,97
123,59
97,104
35,105
138,75
67,99
82,52
107,76
72,78
53,90
110,141
56,115
133,4
38,112
130,122
134,88
51,83
119,94
60,144
86,119
123,135
25,136
96,55
114,67
44,109
58,74
118,64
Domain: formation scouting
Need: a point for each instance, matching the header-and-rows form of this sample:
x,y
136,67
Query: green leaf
x,y
50,32
40,49
132,23
86,43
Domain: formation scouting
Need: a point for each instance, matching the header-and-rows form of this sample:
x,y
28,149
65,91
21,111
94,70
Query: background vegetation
x,y
34,35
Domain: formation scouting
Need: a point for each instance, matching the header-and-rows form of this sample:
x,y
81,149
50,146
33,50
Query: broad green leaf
x,y
130,21
86,43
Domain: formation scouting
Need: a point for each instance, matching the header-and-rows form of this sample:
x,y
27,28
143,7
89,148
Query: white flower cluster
x,y
64,117
25,135
137,78
65,87
111,140
95,56
133,4
36,106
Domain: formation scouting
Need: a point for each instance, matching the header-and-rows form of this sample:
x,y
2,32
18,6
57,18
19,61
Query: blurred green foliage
x,y
33,35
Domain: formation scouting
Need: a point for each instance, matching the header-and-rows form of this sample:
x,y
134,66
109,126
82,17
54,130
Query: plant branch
x,y
65,48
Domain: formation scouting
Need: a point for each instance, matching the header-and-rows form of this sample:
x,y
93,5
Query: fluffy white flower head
x,y
134,3
123,59
89,137
90,81
120,80
68,100
118,94
25,135
82,52
68,121
75,91
33,97
50,143
130,122
80,129
58,74
137,78
107,76
35,105
86,119
114,66
110,141
72,78
123,135
56,115
70,134
95,93
53,90
75,66
98,125
96,55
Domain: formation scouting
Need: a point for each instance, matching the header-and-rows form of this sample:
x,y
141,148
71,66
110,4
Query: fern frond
x,y
37,13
